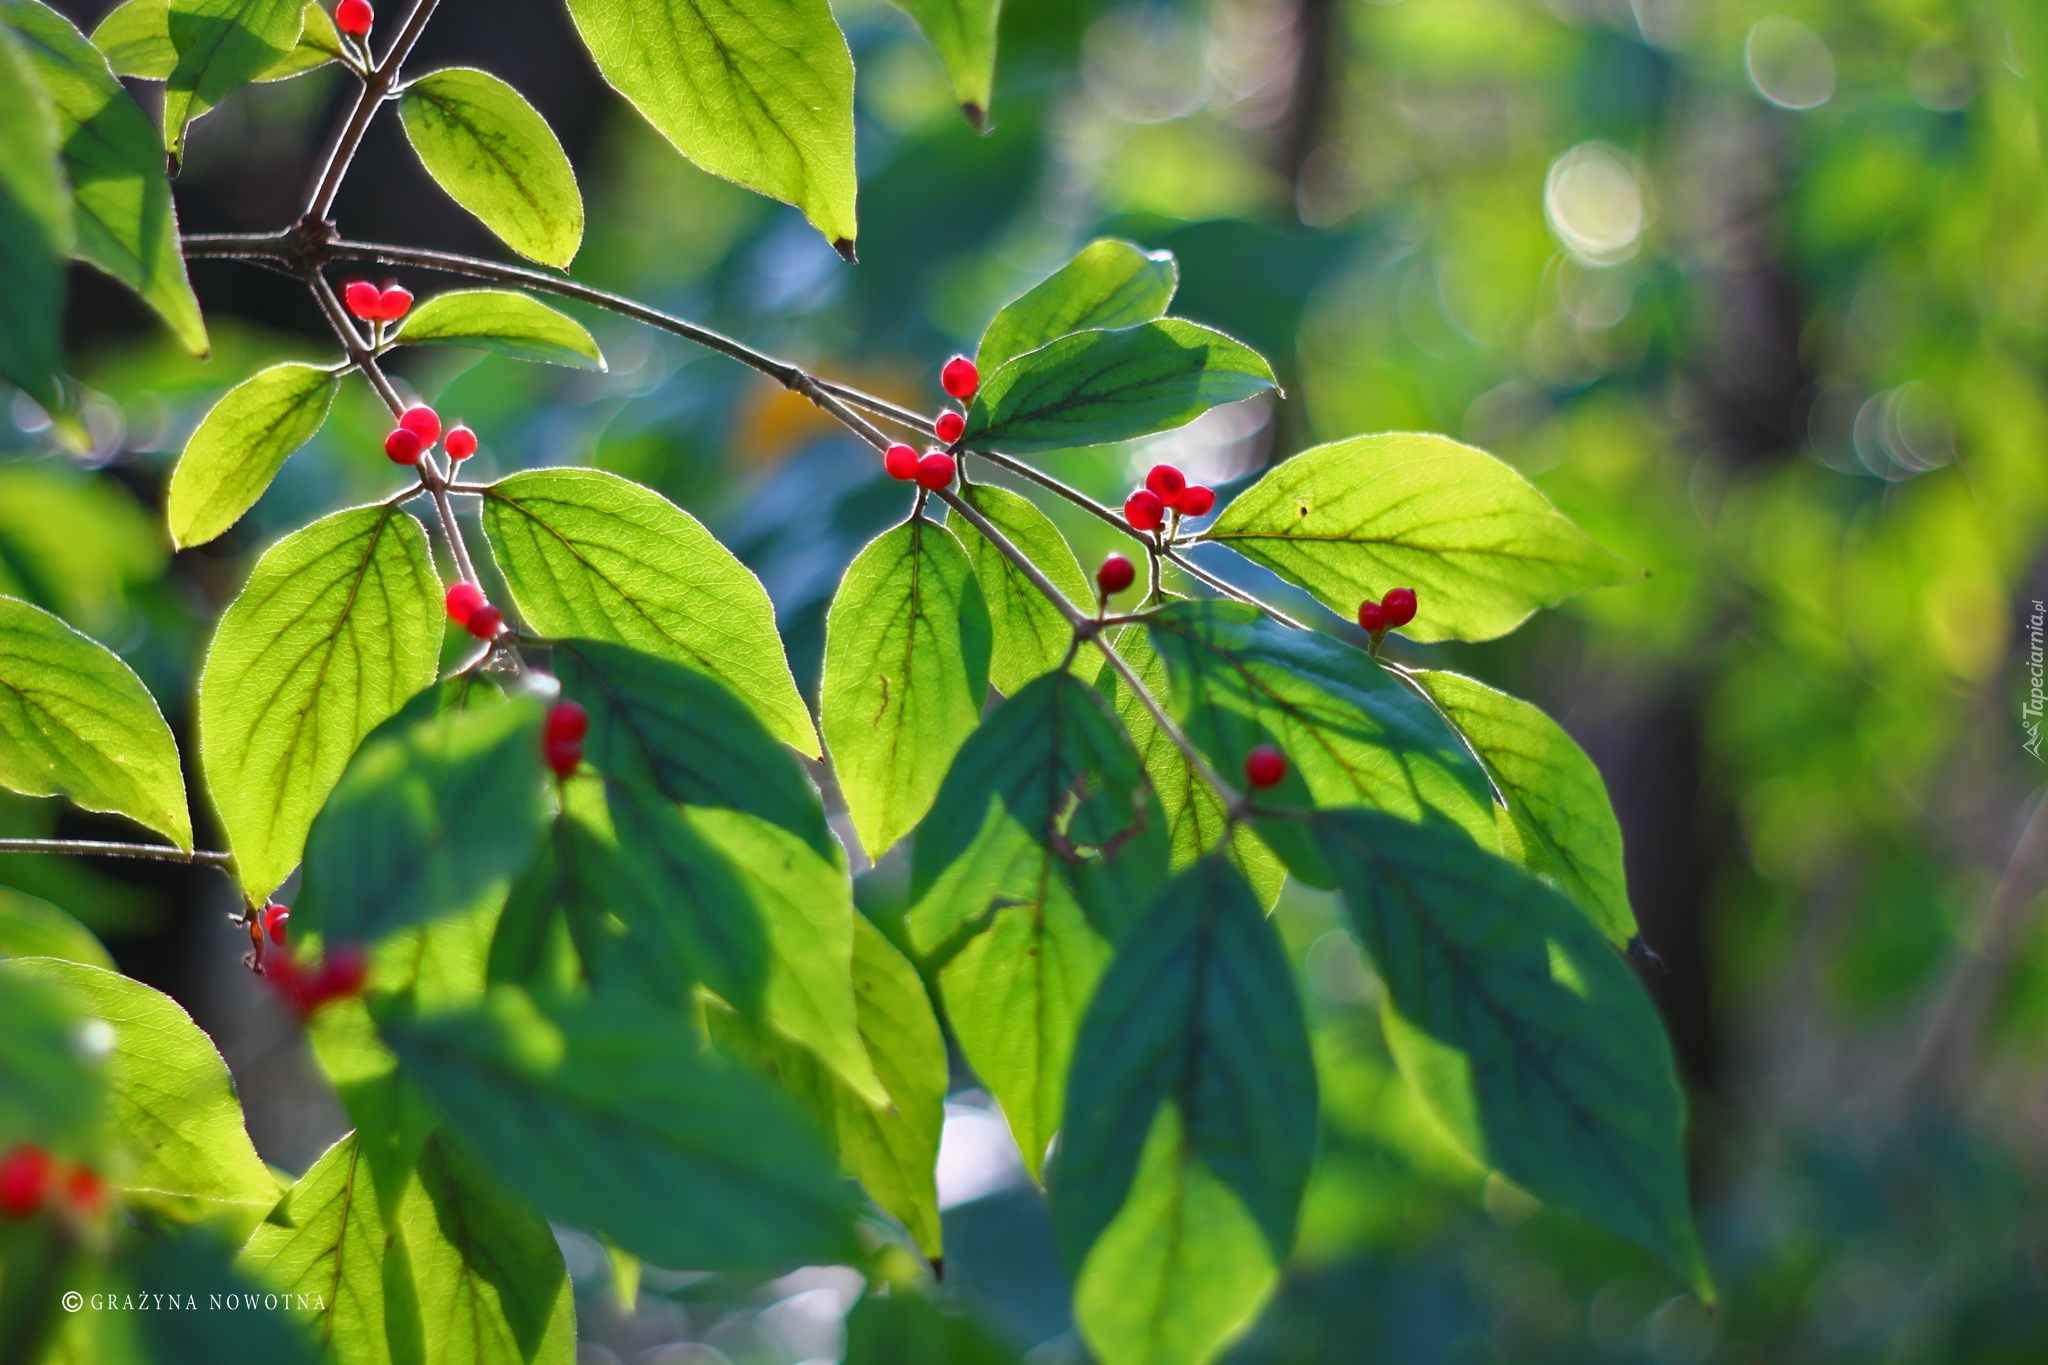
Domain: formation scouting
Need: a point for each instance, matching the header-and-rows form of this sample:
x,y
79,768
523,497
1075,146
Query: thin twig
x,y
376,86
100,848
895,412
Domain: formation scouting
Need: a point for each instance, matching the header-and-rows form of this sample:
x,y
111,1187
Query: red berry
x,y
85,1193
341,975
950,425
567,720
353,17
1372,616
25,1177
275,917
1115,575
1400,606
461,443
422,421
935,470
363,299
393,302
1168,482
1144,511
404,446
900,461
484,621
463,598
1265,766
286,979
563,755
1196,500
960,378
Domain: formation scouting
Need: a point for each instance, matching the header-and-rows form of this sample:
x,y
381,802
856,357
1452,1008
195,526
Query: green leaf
x,y
76,721
35,232
906,670
1554,793
136,38
486,1269
1091,388
614,1118
1354,734
589,553
121,206
1191,811
1043,838
324,1248
964,34
1481,546
908,1329
1109,284
198,1266
51,1091
453,805
240,445
339,625
761,94
222,45
892,1149
497,157
32,927
1198,1009
1521,1028
1182,1270
686,735
319,43
500,320
172,1113
1030,634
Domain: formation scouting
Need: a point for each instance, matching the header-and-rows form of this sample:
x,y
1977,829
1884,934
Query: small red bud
x,y
393,302
1372,616
363,299
960,378
1144,510
1265,766
900,461
567,720
1196,500
950,425
461,443
463,598
1168,482
1400,606
484,621
935,470
85,1194
26,1174
1115,575
275,917
564,756
353,17
422,421
404,446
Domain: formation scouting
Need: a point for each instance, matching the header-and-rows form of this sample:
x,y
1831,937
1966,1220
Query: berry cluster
x,y
372,304
419,426
1391,612
562,737
468,609
32,1180
935,468
354,17
1166,490
339,976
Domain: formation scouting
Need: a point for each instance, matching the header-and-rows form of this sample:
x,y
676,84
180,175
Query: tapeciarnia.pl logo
x,y
2037,666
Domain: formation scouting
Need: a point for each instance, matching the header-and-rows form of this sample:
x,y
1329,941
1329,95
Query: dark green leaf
x,y
964,33
1030,634
30,927
35,231
906,669
1091,388
51,1090
1555,794
76,721
240,445
497,157
198,1266
338,627
762,95
222,45
121,206
1521,1027
1479,544
908,1329
453,806
615,1119
500,320
1108,284
587,553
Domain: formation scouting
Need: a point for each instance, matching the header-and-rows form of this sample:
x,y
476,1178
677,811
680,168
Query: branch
x,y
99,848
376,87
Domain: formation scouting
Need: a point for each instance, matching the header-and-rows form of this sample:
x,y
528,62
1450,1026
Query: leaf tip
x,y
976,116
844,246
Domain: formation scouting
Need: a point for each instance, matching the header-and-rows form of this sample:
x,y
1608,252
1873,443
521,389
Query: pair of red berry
x,y
962,380
562,737
419,426
1391,612
339,976
934,469
1166,489
372,304
468,609
32,1180
354,17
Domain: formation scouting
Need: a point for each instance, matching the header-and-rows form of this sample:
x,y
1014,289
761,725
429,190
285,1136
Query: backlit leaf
x,y
222,45
240,445
136,38
35,231
1109,284
1030,635
964,34
497,157
502,321
51,1093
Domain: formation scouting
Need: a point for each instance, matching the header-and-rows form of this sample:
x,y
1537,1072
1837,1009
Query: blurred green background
x,y
1755,291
